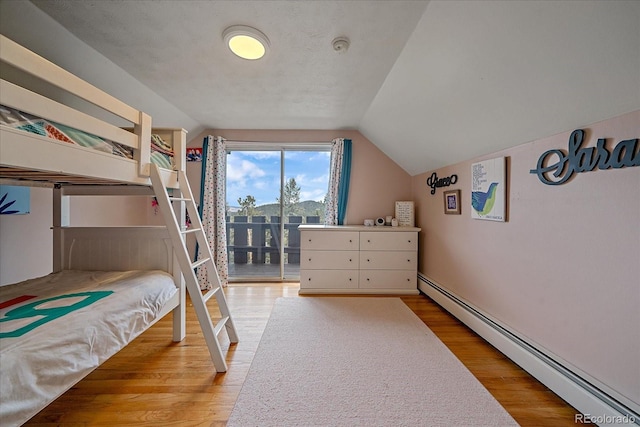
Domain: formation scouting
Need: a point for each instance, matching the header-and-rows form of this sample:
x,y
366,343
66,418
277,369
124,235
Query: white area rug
x,y
358,362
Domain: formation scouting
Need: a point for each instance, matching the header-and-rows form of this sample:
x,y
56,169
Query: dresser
x,y
358,259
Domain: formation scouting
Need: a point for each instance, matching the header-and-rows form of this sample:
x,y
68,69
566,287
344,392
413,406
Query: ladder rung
x,y
207,296
179,199
199,262
189,230
221,324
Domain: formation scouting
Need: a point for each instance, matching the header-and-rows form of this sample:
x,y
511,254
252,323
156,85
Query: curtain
x,y
213,207
338,193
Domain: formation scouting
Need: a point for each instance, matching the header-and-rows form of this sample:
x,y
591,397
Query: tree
x,y
248,205
290,197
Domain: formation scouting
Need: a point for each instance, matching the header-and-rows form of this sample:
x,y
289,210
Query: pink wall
x,y
26,242
376,181
564,270
97,211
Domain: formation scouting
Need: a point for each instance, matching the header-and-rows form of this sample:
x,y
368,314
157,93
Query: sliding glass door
x,y
271,190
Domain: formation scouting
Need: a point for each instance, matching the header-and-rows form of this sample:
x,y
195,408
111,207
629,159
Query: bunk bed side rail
x,y
25,100
30,102
29,62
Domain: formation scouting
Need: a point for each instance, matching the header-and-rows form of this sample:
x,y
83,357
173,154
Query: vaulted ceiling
x,y
430,83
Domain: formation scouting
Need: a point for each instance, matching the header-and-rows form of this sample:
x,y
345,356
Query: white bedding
x,y
51,338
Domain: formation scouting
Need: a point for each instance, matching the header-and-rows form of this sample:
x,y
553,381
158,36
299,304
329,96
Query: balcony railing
x,y
254,240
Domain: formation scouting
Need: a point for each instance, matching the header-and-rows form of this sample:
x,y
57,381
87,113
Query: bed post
x,y
179,313
179,140
60,219
143,154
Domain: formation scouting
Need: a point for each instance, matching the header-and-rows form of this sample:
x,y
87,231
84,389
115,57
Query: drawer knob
x,y
350,260
368,260
309,259
368,241
309,279
350,241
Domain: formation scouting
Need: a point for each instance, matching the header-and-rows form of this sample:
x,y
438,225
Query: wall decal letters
x,y
584,159
434,182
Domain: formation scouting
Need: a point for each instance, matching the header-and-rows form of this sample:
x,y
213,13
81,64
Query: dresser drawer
x,y
388,279
388,241
328,279
329,260
329,240
381,260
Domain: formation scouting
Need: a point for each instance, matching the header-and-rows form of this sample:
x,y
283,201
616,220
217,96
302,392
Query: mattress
x,y
56,329
161,152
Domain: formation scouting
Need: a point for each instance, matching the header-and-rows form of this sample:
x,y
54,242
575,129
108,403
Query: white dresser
x,y
358,259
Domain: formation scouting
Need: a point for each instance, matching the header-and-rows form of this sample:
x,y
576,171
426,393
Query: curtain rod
x,y
270,145
275,142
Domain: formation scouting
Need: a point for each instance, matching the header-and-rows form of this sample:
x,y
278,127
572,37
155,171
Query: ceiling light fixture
x,y
246,42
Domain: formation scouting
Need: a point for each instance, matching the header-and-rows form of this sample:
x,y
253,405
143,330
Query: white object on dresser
x,y
358,259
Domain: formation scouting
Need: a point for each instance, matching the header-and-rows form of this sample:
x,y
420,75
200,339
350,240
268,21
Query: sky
x,y
257,173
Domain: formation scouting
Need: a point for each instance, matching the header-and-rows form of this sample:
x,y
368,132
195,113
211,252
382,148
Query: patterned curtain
x,y
337,195
213,206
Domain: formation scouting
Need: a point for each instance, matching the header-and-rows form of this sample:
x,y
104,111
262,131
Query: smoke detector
x,y
340,44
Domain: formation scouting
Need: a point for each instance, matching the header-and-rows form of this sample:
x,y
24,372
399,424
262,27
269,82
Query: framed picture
x,y
194,154
452,202
404,214
488,190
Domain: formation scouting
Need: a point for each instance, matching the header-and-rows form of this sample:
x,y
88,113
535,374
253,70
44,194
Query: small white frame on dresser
x,y
358,259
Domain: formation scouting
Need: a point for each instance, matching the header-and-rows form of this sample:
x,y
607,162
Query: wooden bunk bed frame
x,y
27,156
31,159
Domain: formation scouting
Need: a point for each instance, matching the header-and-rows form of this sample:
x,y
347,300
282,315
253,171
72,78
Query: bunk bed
x,y
108,284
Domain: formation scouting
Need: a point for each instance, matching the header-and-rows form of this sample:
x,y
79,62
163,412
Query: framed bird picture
x,y
452,202
488,190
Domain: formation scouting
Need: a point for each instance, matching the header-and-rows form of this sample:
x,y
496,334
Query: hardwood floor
x,y
155,382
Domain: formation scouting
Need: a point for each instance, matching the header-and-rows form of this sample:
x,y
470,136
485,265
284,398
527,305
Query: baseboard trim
x,y
580,393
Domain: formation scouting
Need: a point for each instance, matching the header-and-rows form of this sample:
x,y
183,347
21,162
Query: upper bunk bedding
x,y
161,151
56,329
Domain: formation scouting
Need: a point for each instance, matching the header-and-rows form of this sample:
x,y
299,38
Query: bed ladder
x,y
178,234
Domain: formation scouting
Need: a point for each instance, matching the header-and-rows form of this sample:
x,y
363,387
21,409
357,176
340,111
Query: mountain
x,y
306,208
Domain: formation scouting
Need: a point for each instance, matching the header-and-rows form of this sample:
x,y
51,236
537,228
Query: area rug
x,y
349,361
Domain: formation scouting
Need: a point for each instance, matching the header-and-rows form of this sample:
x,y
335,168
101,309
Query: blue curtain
x,y
343,189
203,174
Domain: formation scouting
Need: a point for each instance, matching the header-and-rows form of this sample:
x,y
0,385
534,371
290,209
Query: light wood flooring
x,y
154,382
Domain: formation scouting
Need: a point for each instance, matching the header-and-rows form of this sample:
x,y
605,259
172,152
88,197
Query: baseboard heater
x,y
590,400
